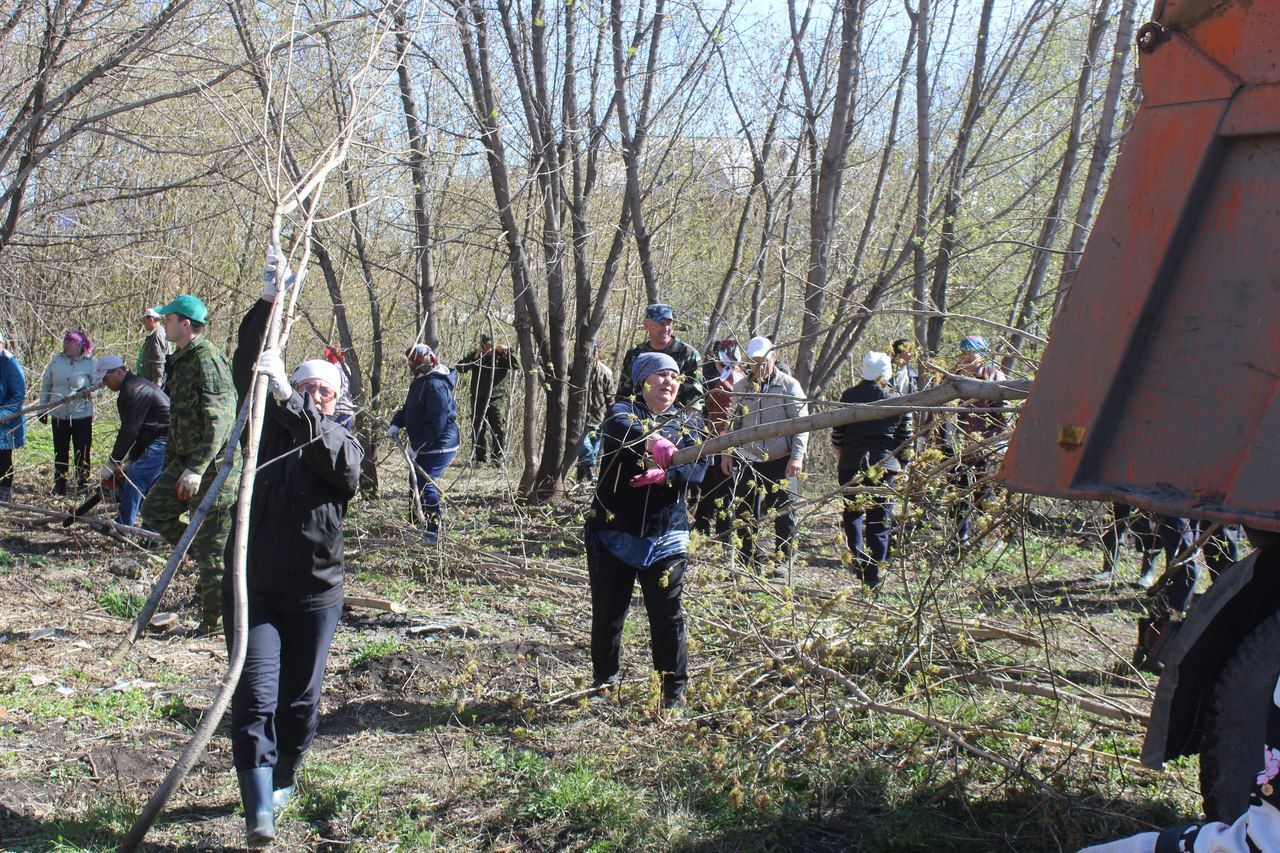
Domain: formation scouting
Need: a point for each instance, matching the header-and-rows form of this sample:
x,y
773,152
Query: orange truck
x,y
1158,387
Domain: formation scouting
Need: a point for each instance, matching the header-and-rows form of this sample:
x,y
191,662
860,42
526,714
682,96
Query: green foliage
x,y
121,603
372,650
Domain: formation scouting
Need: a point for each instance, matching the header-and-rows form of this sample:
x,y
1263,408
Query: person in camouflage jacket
x,y
659,321
202,411
489,367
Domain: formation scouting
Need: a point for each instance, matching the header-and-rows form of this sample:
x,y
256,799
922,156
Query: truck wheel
x,y
1236,723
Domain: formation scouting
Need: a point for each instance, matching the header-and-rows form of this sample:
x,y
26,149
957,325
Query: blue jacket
x,y
650,510
430,413
13,388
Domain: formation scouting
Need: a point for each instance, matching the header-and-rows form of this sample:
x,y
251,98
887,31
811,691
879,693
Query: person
x,y
659,324
907,379
13,426
69,377
638,525
867,454
430,416
600,391
1221,547
153,355
978,436
488,366
142,437
346,410
713,509
202,412
1128,520
309,468
767,396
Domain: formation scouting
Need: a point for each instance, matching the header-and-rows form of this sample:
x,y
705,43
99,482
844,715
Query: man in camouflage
x,y
600,387
489,366
659,323
202,411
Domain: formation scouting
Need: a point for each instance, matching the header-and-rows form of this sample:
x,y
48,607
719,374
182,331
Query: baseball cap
x,y
759,347
974,343
106,364
151,312
659,312
187,306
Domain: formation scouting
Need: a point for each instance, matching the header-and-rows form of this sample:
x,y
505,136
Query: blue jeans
x,y
138,480
431,466
589,449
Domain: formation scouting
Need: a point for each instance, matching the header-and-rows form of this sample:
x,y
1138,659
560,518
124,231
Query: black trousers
x,y
763,488
276,706
713,510
869,529
68,432
612,585
1220,550
6,469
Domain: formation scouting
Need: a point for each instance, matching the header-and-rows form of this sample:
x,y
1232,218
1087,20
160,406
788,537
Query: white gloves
x,y
393,432
275,271
187,486
271,366
110,471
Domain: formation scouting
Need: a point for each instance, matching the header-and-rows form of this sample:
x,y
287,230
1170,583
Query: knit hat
x,y
106,364
649,363
876,366
319,369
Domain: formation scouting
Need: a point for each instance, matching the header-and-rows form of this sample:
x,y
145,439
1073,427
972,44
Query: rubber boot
x,y
255,796
283,778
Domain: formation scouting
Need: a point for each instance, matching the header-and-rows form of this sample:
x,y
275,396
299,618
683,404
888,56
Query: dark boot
x,y
283,779
255,796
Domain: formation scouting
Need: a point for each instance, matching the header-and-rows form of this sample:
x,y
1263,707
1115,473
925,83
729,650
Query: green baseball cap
x,y
187,306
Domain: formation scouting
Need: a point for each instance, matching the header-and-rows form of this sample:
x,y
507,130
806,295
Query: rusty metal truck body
x,y
1159,385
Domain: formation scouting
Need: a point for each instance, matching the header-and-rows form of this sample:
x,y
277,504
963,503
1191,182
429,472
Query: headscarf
x,y
422,358
649,363
80,339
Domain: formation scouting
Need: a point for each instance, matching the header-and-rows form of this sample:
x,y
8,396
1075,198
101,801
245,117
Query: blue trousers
x,y
138,480
867,532
276,705
589,449
431,465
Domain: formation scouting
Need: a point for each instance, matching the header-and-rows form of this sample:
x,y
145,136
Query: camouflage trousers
x,y
162,510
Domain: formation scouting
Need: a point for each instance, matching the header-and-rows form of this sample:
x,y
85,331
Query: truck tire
x,y
1234,734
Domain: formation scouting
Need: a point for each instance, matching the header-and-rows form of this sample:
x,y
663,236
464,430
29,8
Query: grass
x,y
121,603
113,708
372,650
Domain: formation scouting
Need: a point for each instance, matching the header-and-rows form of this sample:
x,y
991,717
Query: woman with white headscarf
x,y
309,468
866,455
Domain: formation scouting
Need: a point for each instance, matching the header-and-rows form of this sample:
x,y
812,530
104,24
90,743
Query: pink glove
x,y
648,478
662,450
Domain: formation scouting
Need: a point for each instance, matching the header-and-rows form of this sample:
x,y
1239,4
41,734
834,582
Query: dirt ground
x,y
463,723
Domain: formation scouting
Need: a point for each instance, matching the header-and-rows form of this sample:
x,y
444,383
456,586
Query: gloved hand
x,y
274,271
271,366
660,452
188,485
393,431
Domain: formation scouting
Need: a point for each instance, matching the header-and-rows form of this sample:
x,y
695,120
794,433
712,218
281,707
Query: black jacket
x,y
144,417
650,510
309,469
871,442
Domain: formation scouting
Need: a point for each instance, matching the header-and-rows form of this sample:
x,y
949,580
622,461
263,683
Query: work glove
x,y
274,271
271,366
393,432
660,452
188,485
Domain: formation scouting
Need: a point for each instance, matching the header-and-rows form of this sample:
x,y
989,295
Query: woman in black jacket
x,y
866,455
309,467
638,527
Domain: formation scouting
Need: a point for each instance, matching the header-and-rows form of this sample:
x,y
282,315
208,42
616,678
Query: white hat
x,y
150,312
876,365
759,347
318,368
106,364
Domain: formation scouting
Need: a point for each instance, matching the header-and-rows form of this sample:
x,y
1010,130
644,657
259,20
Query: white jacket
x,y
65,376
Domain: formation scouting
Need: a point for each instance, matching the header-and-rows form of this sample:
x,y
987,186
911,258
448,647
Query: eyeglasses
x,y
317,389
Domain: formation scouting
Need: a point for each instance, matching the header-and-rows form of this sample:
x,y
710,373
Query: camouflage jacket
x,y
488,376
690,367
202,406
599,392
